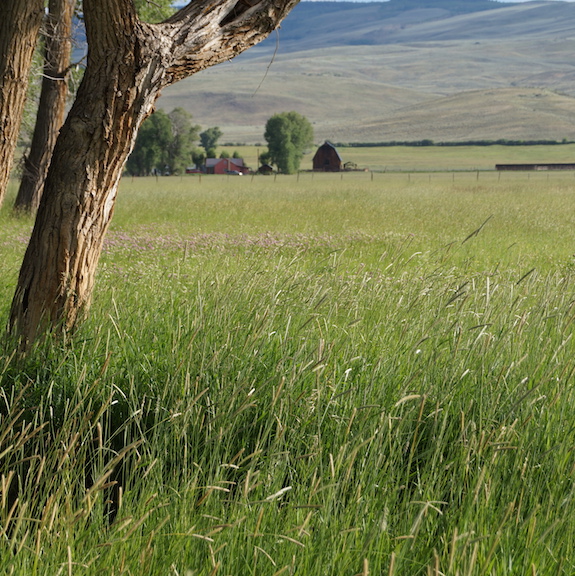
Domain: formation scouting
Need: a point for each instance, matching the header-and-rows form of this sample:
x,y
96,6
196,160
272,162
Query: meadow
x,y
430,158
358,374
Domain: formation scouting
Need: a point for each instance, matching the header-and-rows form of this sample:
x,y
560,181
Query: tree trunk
x,y
52,105
19,25
129,62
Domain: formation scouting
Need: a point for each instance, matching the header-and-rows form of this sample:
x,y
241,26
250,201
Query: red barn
x,y
225,166
327,158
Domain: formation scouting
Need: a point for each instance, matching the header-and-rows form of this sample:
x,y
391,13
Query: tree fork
x,y
129,62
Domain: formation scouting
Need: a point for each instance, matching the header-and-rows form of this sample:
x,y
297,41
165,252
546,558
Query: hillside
x,y
315,25
446,70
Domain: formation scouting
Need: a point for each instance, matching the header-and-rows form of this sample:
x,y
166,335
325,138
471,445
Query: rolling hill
x,y
447,70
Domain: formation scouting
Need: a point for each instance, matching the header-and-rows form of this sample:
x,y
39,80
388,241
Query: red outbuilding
x,y
225,166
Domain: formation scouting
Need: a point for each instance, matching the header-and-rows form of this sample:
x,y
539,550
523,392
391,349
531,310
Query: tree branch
x,y
205,33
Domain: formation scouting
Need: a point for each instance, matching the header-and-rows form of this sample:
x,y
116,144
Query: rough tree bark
x,y
129,62
52,105
19,26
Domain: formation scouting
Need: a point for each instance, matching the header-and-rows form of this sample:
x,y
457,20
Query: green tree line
x,y
167,144
427,142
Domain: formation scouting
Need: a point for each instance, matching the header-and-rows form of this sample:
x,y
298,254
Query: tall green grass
x,y
304,377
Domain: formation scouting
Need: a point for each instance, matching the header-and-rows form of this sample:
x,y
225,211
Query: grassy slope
x,y
435,71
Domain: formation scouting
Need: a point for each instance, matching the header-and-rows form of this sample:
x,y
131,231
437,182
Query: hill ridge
x,y
349,70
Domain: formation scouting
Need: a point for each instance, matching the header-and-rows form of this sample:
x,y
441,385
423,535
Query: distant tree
x,y
225,154
266,158
165,142
236,154
288,135
209,140
198,157
184,136
151,148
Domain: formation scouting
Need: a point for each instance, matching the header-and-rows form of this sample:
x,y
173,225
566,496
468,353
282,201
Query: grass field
x,y
313,374
432,158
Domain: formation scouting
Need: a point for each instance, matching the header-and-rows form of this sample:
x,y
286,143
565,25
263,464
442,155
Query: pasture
x,y
429,158
315,374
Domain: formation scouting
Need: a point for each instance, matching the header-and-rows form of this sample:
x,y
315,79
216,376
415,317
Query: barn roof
x,y
211,162
328,144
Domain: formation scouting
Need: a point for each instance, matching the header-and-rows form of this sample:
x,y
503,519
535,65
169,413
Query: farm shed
x,y
225,165
327,158
265,169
